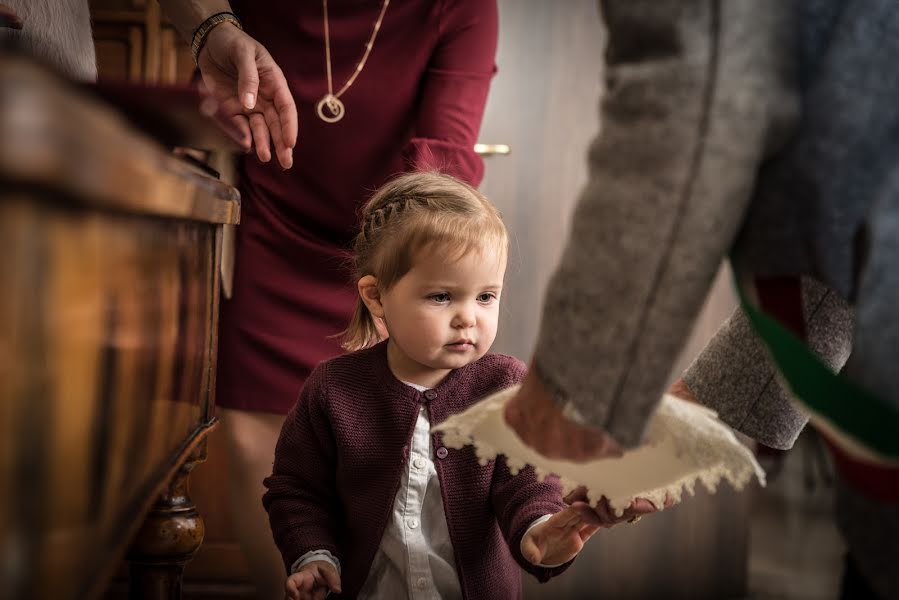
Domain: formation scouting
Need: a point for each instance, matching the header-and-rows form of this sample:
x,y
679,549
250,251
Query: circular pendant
x,y
330,109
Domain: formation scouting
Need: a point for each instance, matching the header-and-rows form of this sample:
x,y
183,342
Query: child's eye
x,y
486,297
441,298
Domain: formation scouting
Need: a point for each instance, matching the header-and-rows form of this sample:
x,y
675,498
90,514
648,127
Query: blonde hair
x,y
407,215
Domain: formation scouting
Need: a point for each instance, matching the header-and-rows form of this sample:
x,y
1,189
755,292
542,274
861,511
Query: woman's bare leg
x,y
251,449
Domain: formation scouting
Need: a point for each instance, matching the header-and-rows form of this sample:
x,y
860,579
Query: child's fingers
x,y
578,494
331,579
586,531
586,513
306,585
291,589
567,518
533,547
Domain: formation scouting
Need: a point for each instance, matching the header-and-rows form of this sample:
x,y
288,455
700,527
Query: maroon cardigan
x,y
342,452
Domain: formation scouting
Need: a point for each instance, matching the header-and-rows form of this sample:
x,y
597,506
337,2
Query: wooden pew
x,y
109,258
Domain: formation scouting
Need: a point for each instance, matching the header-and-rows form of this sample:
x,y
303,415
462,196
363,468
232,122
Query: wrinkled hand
x,y
602,514
9,18
313,582
679,389
560,538
538,421
250,92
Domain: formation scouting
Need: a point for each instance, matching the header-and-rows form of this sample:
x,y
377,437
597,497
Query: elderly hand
x,y
538,421
602,514
9,18
251,92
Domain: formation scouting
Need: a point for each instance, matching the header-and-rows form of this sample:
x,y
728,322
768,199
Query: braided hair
x,y
406,216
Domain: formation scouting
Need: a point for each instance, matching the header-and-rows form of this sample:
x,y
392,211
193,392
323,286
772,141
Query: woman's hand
x,y
313,582
537,419
558,539
250,91
9,18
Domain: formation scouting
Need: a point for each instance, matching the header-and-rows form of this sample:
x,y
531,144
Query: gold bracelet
x,y
202,32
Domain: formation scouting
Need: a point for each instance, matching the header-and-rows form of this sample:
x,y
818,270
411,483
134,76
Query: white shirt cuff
x,y
314,555
536,522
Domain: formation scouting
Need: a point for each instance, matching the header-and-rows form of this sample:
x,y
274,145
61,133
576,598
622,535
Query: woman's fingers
x,y
282,150
261,137
244,58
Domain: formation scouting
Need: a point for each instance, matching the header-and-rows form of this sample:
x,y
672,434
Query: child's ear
x,y
371,295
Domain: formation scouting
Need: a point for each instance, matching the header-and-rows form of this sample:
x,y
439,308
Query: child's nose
x,y
465,317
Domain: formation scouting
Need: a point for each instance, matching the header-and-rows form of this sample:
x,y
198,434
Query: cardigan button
x,y
442,452
430,394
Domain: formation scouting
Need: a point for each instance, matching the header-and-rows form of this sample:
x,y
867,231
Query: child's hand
x,y
313,581
558,539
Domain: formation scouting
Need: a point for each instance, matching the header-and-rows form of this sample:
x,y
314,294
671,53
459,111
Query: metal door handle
x,y
491,149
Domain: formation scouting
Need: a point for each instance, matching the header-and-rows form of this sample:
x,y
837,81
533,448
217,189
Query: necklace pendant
x,y
330,109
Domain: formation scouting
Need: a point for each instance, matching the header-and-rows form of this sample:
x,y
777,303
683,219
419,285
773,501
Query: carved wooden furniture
x,y
109,258
135,42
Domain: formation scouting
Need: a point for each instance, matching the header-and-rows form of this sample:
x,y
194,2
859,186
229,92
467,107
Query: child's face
x,y
443,313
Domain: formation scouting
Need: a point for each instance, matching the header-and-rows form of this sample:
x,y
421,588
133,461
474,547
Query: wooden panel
x,y
135,41
119,357
219,569
120,51
107,331
119,5
176,62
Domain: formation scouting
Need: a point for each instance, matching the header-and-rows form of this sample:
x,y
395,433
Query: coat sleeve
x,y
454,91
735,376
689,111
301,499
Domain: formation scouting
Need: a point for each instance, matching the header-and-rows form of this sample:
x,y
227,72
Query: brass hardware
x,y
491,149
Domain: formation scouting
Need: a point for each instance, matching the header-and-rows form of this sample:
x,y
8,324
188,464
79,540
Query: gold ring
x,y
634,519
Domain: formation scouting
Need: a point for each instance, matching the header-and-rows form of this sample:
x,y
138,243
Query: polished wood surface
x,y
135,43
110,253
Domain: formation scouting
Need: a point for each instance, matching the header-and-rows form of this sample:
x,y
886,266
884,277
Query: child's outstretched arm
x,y
301,500
519,501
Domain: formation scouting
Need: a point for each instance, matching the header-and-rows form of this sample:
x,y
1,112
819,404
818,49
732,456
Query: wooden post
x,y
171,534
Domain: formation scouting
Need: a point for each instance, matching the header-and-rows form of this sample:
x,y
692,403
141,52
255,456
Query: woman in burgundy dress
x,y
416,102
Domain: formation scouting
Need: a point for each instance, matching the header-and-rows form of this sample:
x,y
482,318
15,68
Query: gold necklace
x,y
331,101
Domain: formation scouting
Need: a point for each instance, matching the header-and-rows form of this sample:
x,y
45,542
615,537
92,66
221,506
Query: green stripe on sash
x,y
853,411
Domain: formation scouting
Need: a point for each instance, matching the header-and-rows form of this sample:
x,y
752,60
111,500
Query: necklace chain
x,y
331,101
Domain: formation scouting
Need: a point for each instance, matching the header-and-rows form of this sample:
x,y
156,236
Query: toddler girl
x,y
362,498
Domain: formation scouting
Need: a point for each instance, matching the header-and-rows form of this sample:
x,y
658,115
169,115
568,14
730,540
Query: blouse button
x,y
419,463
430,394
442,452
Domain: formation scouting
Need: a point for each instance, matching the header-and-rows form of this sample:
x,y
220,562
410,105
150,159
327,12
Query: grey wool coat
x,y
768,129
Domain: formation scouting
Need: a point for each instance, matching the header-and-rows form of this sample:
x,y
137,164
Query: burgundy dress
x,y
418,103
